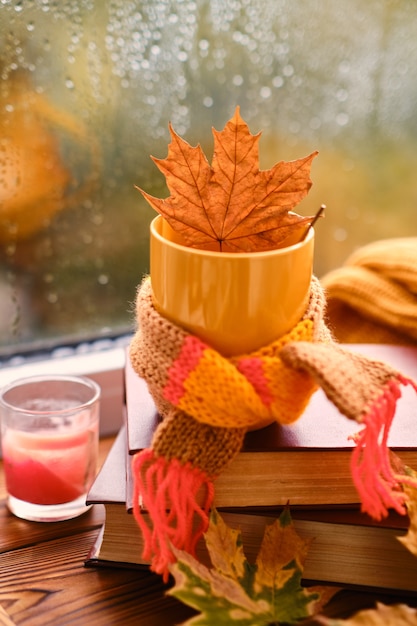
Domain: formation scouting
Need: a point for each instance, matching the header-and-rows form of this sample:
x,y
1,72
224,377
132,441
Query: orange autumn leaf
x,y
231,205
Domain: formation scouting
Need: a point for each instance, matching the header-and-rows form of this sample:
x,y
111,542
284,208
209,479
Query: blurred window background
x,y
88,87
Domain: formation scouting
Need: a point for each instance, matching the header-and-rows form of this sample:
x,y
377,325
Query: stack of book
x,y
305,465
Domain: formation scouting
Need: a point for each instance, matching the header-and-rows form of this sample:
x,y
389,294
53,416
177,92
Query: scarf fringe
x,y
167,491
379,487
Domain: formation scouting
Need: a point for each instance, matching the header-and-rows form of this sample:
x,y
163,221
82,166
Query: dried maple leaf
x,y
236,591
382,615
410,539
232,206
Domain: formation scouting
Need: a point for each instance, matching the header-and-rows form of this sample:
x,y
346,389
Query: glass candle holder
x,y
50,427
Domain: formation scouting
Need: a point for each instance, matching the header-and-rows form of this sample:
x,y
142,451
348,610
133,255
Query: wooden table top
x,y
43,580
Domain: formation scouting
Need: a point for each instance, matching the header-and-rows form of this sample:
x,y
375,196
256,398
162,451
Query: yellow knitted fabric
x,y
207,403
372,298
237,392
242,392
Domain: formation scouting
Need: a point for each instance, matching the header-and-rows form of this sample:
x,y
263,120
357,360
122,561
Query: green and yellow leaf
x,y
234,591
382,615
410,539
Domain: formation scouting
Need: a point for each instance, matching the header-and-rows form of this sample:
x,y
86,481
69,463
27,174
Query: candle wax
x,y
45,468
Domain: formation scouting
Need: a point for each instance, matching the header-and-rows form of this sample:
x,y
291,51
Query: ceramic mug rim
x,y
230,255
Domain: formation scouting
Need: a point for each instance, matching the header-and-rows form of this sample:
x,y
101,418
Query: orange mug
x,y
235,302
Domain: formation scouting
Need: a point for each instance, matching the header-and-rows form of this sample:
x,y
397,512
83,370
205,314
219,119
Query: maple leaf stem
x,y
313,221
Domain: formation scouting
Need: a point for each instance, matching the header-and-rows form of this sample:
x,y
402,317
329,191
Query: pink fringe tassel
x,y
378,485
167,492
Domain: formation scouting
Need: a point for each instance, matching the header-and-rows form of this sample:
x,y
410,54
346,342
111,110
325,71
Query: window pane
x,y
88,87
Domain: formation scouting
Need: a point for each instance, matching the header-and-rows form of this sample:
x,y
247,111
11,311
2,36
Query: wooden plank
x,y
18,533
48,583
5,620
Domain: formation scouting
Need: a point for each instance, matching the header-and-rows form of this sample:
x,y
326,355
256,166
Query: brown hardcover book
x,y
307,463
348,549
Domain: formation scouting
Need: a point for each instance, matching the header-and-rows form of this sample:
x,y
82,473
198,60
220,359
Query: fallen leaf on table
x,y
382,615
235,591
397,614
410,539
232,206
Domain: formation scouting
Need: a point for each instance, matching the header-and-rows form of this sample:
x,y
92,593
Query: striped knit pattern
x,y
366,391
241,392
208,402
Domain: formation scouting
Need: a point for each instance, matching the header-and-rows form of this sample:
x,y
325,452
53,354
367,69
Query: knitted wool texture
x,y
373,296
208,402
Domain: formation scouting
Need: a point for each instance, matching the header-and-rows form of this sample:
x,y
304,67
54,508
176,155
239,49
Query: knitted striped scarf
x,y
208,402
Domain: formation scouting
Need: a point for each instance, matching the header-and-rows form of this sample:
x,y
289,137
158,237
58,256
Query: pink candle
x,y
49,430
49,468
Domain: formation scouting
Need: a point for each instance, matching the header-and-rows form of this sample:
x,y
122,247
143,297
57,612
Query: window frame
x,y
105,366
